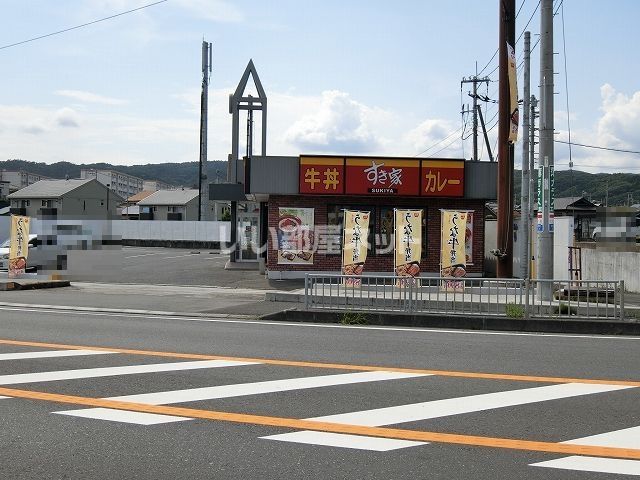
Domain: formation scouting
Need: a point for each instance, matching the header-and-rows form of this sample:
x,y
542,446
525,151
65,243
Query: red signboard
x,y
382,176
322,175
442,178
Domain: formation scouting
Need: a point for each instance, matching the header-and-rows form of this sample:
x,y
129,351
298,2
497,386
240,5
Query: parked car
x,y
32,257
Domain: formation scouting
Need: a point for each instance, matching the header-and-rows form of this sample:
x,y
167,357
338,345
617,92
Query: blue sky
x,y
359,77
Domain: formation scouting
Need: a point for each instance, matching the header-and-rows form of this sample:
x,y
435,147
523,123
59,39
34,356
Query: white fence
x,y
191,231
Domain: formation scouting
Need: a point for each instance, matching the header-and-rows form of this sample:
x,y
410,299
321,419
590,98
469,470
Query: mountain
x,y
567,184
592,186
178,174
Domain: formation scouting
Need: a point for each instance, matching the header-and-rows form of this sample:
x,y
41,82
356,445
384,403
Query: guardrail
x,y
515,298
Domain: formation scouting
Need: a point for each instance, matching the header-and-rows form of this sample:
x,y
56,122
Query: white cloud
x,y
340,124
435,137
67,117
88,97
616,128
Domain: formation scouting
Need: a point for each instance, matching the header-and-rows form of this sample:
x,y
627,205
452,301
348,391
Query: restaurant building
x,y
312,191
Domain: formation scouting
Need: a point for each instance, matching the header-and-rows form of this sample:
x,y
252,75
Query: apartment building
x,y
122,184
155,185
20,178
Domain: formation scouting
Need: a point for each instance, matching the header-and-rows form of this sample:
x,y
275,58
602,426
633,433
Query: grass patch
x,y
353,318
564,309
514,311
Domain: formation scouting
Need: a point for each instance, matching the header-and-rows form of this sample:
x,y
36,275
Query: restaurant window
x,y
335,222
384,232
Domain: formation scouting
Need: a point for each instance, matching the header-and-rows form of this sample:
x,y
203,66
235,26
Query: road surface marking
x,y
50,354
180,256
343,440
185,318
336,366
143,255
124,416
238,390
625,438
283,422
113,371
448,407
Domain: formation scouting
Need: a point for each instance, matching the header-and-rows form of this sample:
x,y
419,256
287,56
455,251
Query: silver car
x,y
32,257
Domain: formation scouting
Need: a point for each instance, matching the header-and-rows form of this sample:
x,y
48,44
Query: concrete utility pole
x,y
203,186
475,81
532,159
525,186
545,159
505,150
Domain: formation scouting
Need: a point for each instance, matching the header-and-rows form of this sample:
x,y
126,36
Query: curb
x,y
17,285
467,323
68,308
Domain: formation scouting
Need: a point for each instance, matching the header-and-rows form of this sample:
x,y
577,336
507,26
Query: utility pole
x,y
203,186
532,159
475,81
546,157
505,149
525,226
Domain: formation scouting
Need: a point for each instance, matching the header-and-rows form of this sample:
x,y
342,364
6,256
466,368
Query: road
x,y
237,399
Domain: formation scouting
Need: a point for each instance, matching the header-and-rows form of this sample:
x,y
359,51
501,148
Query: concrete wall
x,y
606,264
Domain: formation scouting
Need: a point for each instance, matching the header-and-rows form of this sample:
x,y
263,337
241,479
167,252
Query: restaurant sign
x,y
381,176
322,175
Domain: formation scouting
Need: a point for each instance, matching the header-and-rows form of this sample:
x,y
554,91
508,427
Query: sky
x,y
365,77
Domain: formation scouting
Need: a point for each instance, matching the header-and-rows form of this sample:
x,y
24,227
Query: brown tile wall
x,y
379,263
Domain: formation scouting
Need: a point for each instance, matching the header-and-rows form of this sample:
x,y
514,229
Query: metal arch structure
x,y
238,102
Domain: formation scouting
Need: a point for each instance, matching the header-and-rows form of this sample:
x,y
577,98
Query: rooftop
x,y
49,188
170,197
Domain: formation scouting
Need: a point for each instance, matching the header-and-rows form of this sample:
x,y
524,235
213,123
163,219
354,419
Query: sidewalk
x,y
171,299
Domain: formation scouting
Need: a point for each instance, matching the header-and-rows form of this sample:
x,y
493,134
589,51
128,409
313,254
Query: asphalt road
x,y
149,438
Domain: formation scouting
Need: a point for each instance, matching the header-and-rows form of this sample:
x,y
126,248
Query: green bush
x,y
353,318
564,309
514,311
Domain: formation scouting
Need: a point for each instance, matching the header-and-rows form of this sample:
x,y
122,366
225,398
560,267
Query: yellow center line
x,y
335,366
283,422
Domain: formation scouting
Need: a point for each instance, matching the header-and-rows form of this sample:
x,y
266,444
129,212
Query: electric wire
x,y
610,149
80,26
440,141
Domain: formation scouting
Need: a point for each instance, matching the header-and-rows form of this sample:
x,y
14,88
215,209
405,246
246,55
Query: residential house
x,y
73,199
583,212
4,189
170,205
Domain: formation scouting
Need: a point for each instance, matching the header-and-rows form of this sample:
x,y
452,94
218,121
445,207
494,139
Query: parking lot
x,y
164,266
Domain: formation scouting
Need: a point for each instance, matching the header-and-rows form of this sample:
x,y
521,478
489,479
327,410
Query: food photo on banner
x,y
452,250
408,245
295,233
19,248
355,245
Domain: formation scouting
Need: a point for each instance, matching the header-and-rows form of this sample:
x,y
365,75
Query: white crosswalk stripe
x,y
442,408
229,391
115,371
51,354
625,438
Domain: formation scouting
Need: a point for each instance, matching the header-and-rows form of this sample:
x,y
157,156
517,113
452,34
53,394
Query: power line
x,y
80,26
598,147
528,22
439,142
496,52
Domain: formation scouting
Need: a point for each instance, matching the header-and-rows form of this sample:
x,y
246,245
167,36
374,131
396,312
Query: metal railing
x,y
517,298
